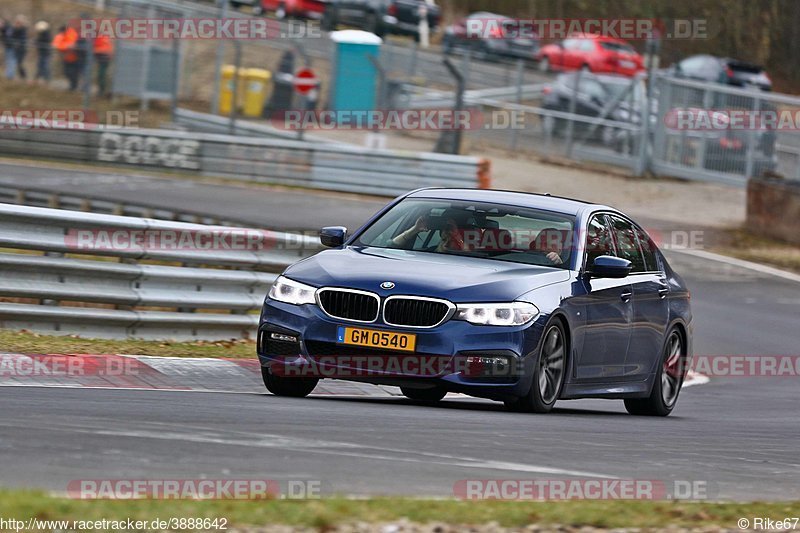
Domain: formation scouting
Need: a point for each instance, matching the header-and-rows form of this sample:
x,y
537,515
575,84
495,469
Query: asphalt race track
x,y
737,435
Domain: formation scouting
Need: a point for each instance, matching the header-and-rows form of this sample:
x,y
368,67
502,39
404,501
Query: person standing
x,y
8,50
103,52
19,44
66,43
44,51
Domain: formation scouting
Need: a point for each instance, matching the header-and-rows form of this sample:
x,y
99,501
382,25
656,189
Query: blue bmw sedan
x,y
516,297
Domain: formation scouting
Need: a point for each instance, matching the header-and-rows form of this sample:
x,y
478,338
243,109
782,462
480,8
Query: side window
x,y
627,243
598,239
648,250
586,46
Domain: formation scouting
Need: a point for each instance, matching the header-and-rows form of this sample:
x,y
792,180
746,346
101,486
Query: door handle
x,y
626,296
662,293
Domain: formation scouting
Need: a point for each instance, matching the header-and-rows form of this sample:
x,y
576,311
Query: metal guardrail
x,y
135,298
296,163
424,98
208,123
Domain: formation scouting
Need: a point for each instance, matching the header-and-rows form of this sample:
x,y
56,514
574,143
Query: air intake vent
x,y
416,312
349,304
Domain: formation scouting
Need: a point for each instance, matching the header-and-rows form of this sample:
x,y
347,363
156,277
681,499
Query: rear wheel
x,y
328,22
291,387
548,374
424,395
669,380
374,25
544,64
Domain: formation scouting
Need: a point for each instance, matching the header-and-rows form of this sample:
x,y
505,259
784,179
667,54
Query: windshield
x,y
475,229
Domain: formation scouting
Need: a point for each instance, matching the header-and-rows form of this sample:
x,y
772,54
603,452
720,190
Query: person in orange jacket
x,y
66,44
103,52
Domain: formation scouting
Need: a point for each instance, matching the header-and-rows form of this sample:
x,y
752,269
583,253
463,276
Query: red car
x,y
304,9
595,53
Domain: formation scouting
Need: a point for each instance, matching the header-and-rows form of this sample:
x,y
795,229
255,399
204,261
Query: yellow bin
x,y
256,82
226,91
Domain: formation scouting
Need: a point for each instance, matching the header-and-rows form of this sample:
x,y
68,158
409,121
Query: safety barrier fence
x,y
307,164
117,277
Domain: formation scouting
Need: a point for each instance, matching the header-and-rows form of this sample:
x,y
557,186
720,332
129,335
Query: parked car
x,y
303,9
722,70
727,150
595,53
381,16
490,35
515,297
620,96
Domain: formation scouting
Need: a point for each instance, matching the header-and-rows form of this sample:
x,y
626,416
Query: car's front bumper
x,y
444,355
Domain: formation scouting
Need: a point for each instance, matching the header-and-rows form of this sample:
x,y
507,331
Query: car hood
x,y
456,278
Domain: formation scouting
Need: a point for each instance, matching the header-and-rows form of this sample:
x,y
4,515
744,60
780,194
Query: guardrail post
x,y
573,104
450,141
520,80
235,97
220,54
751,142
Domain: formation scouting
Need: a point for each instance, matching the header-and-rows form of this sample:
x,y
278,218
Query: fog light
x,y
281,337
488,365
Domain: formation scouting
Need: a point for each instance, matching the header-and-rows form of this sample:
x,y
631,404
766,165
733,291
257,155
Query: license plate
x,y
627,64
404,342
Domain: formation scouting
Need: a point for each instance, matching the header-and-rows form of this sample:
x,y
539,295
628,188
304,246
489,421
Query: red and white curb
x,y
155,373
172,373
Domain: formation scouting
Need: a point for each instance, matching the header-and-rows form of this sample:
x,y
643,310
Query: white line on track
x,y
757,267
324,447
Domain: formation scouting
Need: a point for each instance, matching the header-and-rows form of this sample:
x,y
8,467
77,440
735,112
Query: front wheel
x,y
373,24
669,380
424,395
328,22
289,387
548,374
544,64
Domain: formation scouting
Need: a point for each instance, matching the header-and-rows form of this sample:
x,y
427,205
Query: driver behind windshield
x,y
451,235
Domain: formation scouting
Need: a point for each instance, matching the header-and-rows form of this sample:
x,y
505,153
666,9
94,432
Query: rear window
x,y
617,47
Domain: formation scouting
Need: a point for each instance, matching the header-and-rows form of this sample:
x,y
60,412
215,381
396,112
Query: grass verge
x,y
28,342
326,513
745,245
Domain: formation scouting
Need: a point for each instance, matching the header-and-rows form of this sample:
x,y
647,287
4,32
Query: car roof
x,y
546,202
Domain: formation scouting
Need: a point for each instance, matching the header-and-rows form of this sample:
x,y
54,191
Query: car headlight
x,y
292,292
505,314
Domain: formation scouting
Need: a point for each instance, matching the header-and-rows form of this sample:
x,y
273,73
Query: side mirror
x,y
607,266
332,236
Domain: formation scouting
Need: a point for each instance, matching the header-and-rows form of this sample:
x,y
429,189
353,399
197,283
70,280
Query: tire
x,y
280,13
258,10
374,25
668,382
288,387
447,47
586,68
328,22
424,395
544,64
548,374
551,126
482,52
